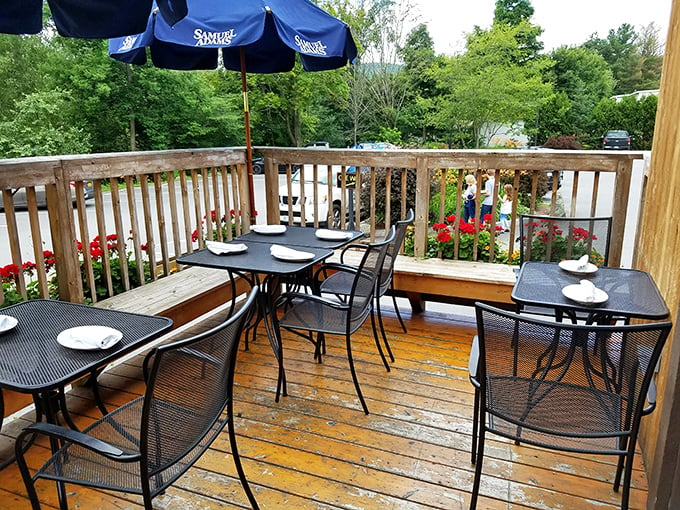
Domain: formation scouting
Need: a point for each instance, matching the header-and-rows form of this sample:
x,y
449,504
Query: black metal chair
x,y
569,387
338,277
307,314
554,238
145,445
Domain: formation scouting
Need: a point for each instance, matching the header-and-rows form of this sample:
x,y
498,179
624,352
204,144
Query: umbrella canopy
x,y
85,19
257,36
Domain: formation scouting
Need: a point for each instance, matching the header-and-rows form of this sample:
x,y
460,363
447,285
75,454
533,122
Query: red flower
x,y
487,218
9,271
194,236
144,246
439,226
466,228
444,236
96,251
49,259
451,218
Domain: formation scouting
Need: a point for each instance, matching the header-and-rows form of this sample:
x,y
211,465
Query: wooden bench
x,y
449,281
182,296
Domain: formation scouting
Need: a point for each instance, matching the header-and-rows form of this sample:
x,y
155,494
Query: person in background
x,y
469,197
487,192
506,206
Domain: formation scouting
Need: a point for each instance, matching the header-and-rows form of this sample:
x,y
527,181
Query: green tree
x,y
583,76
485,88
518,13
635,116
620,51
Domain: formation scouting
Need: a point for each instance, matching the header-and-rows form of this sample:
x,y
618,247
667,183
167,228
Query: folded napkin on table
x,y
6,321
224,248
325,233
588,290
89,337
281,251
582,263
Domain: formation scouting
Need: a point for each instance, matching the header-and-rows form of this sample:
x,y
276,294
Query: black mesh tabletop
x,y
632,293
257,259
301,236
31,360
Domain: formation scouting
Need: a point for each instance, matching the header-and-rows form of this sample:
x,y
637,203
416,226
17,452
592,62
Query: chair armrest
x,y
288,297
351,246
74,436
473,362
651,398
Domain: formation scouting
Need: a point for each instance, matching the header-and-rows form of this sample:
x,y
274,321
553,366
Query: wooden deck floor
x,y
317,450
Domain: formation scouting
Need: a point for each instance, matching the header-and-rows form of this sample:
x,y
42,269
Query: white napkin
x,y
588,290
224,248
325,233
288,253
582,263
89,337
5,321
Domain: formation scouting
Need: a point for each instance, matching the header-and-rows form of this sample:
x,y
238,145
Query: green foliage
x,y
395,193
562,245
635,116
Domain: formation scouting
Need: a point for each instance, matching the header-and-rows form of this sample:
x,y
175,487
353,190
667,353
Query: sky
x,y
564,23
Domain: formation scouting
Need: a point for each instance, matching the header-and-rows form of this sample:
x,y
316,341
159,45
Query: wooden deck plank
x,y
315,449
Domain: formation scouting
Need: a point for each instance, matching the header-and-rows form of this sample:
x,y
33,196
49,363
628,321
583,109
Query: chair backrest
x,y
392,251
554,238
571,387
368,274
189,387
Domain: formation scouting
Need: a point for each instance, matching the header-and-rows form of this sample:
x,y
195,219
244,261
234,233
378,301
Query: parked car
x,y
21,202
325,202
318,145
616,139
258,167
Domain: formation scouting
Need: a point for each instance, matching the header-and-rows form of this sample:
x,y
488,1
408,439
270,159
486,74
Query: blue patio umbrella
x,y
86,19
256,36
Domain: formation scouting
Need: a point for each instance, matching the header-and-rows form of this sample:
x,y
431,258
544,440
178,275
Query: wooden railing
x,y
161,204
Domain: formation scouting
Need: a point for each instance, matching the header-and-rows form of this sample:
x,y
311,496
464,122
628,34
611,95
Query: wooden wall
x,y
659,253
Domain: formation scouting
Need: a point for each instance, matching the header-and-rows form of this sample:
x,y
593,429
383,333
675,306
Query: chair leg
x,y
475,427
377,342
354,373
237,461
478,468
23,469
396,308
382,329
627,475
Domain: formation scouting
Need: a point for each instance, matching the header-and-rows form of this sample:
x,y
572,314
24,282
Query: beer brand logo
x,y
310,47
204,38
128,42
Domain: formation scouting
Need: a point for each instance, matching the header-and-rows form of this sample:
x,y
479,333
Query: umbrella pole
x,y
249,144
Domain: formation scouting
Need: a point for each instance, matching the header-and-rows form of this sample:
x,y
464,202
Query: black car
x,y
616,139
258,167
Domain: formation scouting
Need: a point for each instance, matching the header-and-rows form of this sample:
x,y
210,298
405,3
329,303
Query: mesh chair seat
x,y
323,318
120,428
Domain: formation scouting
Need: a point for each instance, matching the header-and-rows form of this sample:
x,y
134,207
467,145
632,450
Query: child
x,y
487,192
506,206
469,196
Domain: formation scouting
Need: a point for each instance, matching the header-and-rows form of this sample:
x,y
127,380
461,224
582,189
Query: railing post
x,y
62,227
624,172
421,221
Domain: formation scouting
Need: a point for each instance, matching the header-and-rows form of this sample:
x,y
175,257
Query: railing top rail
x,y
606,161
38,170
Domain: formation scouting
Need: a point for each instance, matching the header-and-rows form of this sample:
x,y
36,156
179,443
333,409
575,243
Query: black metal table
x,y
259,267
632,293
301,236
31,360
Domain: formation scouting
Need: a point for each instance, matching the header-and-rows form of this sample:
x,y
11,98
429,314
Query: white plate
x,y
225,248
269,229
572,267
332,235
7,323
89,338
283,253
577,293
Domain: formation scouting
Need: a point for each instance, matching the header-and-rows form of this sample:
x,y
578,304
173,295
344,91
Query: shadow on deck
x,y
317,450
